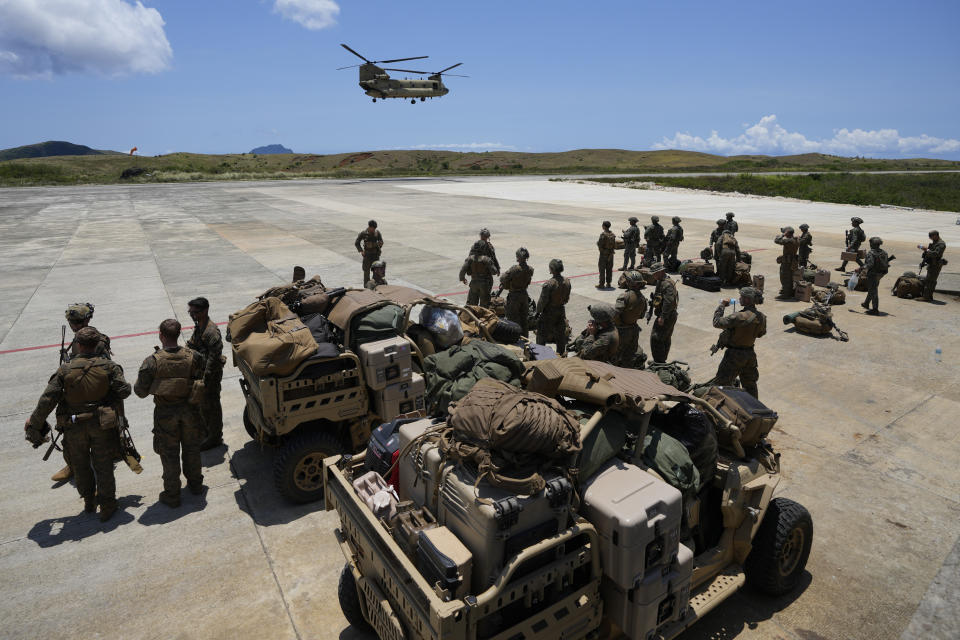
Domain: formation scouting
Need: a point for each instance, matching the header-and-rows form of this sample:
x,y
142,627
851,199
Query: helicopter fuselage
x,y
377,83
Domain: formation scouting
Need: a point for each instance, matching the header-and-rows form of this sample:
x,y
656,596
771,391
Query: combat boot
x,y
172,502
107,511
90,504
63,475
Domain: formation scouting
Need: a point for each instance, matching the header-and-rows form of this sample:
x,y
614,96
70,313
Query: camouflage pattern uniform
x,y
206,341
607,244
715,239
517,306
481,271
788,263
672,242
805,246
741,330
933,256
728,258
603,346
78,390
855,237
169,375
731,224
630,307
661,336
631,242
551,312
374,282
654,236
875,267
370,245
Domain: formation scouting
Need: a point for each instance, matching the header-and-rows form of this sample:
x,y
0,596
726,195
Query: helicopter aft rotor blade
x,y
451,67
403,59
406,70
354,53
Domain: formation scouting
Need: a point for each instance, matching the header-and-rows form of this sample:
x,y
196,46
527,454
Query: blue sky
x,y
880,79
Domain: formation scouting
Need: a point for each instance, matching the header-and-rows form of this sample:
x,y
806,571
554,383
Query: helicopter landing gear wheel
x,y
414,101
423,99
373,99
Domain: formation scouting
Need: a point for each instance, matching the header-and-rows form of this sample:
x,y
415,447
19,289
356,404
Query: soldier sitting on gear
x,y
599,341
877,265
607,245
740,332
369,243
551,316
631,306
379,269
173,375
855,237
85,391
515,281
631,242
207,341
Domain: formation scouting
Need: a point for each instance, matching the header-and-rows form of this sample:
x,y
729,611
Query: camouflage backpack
x,y
675,373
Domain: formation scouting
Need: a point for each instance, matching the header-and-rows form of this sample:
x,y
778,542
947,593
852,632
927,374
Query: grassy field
x,y
938,191
180,167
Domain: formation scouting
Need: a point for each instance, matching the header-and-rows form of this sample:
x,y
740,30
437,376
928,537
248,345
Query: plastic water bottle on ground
x,y
938,355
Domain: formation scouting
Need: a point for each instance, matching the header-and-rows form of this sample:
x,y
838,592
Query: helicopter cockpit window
x,y
435,87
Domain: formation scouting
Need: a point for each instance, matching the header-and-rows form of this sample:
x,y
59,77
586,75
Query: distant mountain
x,y
50,148
271,148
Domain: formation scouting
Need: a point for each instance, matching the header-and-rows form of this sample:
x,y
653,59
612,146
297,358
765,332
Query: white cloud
x,y
41,38
768,137
468,146
312,14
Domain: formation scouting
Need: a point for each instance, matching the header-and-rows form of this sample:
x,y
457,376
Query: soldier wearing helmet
x,y
369,243
379,269
607,244
672,244
932,257
630,308
740,332
551,315
516,280
728,257
730,224
855,237
805,245
788,261
875,266
665,300
599,341
631,242
715,237
482,265
654,236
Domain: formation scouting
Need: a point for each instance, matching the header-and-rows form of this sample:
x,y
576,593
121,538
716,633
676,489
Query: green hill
x,y
50,148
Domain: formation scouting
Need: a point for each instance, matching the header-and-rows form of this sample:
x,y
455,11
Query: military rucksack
x,y
561,293
608,242
676,373
754,418
908,286
881,263
85,381
696,268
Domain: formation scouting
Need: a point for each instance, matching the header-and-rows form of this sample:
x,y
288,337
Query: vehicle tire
x,y
350,599
780,548
299,468
248,424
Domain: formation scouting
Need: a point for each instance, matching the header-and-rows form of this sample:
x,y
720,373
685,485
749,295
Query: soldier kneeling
x,y
600,340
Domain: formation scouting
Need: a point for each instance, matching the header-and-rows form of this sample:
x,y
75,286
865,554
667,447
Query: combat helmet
x,y
804,226
787,230
729,215
523,254
675,220
856,220
601,312
875,242
484,233
556,265
657,267
79,311
379,264
654,218
633,277
721,221
632,219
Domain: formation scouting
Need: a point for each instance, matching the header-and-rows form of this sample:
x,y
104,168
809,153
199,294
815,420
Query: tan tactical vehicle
x,y
326,406
579,582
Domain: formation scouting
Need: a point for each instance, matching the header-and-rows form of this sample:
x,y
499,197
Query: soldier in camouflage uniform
x,y
933,258
805,245
515,281
369,242
631,242
731,224
607,244
788,261
599,341
78,316
671,244
482,265
740,332
551,314
206,341
85,391
379,276
876,266
171,376
654,236
715,238
855,237
665,301
631,306
728,258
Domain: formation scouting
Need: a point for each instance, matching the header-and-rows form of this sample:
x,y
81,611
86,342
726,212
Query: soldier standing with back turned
x,y
740,332
607,244
805,247
631,242
672,244
788,261
731,224
665,301
482,265
85,392
654,236
208,343
876,266
551,308
516,280
369,242
171,375
933,259
631,306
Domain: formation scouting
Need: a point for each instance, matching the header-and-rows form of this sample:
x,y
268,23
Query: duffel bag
x,y
741,274
377,324
676,373
754,418
668,457
811,326
707,283
280,349
672,264
908,286
696,267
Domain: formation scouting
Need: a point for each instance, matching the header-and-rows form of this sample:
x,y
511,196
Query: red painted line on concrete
x,y
121,337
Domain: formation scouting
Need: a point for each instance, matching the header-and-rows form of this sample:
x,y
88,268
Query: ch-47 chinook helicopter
x,y
377,83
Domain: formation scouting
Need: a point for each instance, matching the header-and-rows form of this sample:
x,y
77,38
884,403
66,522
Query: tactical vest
x,y
608,241
745,336
728,241
634,309
518,278
371,243
632,235
86,381
561,293
481,266
172,381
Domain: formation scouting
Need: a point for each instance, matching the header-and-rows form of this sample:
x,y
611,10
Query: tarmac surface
x,y
867,432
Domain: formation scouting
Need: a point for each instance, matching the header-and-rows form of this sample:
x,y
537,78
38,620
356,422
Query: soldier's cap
x,y
523,253
484,233
379,264
721,221
729,214
606,224
876,241
633,219
601,312
676,220
657,266
788,229
804,226
932,233
856,220
654,218
87,337
556,265
79,311
750,292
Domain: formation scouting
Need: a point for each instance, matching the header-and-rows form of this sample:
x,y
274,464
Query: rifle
x,y
826,315
722,342
53,442
499,291
655,301
127,448
64,356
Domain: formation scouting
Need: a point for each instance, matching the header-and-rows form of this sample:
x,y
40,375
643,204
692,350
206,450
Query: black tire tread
x,y
350,599
292,451
781,517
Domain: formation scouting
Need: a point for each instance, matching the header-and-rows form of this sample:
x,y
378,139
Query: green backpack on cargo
x,y
667,456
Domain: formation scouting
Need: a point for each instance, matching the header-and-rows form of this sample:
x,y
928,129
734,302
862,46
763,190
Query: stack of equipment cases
x,y
419,469
646,571
388,371
383,447
496,524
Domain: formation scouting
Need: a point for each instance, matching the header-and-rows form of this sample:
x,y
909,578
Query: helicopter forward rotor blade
x,y
451,67
405,70
354,53
350,67
455,75
401,59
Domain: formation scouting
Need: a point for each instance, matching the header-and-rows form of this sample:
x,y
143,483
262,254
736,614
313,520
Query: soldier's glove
x,y
36,436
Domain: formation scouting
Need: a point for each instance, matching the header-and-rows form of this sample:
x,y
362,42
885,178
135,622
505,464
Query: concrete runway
x,y
867,430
